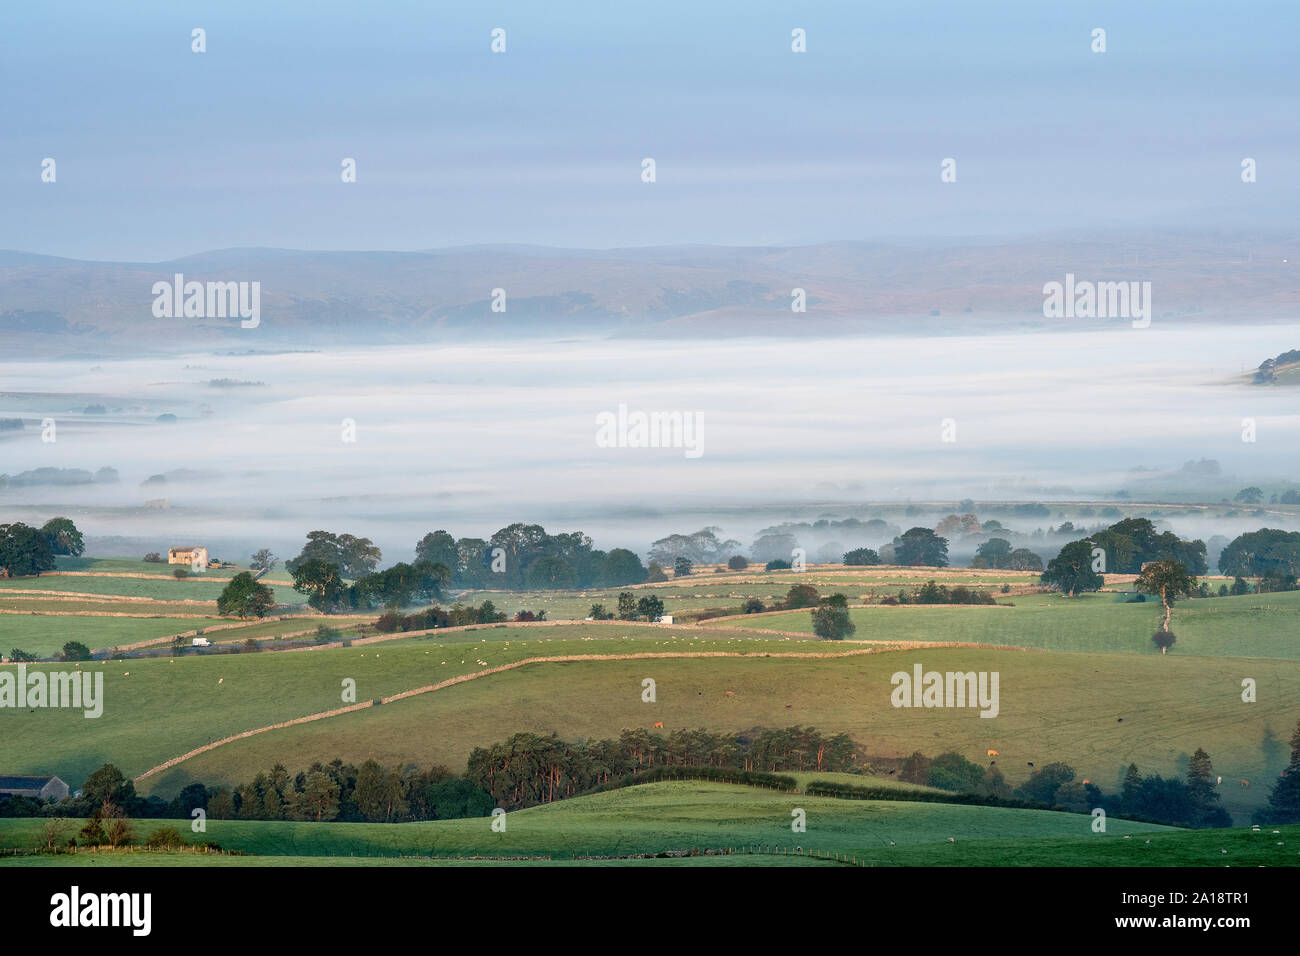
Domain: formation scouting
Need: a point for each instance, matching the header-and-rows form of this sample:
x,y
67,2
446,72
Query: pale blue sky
x,y
162,152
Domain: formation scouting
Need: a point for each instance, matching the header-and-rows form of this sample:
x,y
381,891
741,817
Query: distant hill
x,y
1282,369
55,307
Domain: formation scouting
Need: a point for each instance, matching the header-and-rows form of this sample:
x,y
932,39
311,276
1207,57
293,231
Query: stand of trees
x,y
245,597
1133,542
399,586
529,769
861,557
525,556
1269,554
920,547
997,553
931,593
435,617
1193,802
26,551
1284,801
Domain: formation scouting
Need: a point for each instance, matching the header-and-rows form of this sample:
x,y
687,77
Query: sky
x,y
161,152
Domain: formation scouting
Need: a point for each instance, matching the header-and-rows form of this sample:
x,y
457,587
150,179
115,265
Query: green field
x,y
1168,706
1053,706
45,635
706,589
654,818
1089,689
194,588
686,815
1252,625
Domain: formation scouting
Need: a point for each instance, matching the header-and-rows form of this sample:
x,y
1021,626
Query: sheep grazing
x,y
1218,781
951,840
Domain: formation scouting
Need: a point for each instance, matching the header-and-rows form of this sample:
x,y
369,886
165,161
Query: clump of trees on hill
x,y
26,551
458,615
1270,554
523,556
702,547
353,556
932,593
998,554
398,586
245,597
920,547
1193,802
631,608
861,557
1123,548
1133,542
528,769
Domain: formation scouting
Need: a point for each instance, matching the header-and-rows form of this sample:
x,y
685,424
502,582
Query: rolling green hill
x,y
654,818
1252,625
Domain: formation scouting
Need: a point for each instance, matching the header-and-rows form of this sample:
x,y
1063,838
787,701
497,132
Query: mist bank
x,y
391,442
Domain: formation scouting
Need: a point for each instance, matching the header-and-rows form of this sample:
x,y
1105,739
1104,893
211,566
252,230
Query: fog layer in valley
x,y
471,438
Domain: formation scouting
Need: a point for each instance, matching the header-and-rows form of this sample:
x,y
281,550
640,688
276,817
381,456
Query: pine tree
x,y
1200,787
1132,782
1284,801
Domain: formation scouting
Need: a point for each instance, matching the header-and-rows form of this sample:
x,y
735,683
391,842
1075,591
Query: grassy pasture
x,y
1053,706
658,817
45,635
135,607
706,589
132,566
1252,625
152,859
194,588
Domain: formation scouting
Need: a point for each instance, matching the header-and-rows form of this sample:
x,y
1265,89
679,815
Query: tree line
x,y
529,769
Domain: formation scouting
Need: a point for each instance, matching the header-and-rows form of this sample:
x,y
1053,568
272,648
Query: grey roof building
x,y
43,787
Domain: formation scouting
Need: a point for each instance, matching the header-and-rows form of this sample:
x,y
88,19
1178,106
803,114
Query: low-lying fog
x,y
471,438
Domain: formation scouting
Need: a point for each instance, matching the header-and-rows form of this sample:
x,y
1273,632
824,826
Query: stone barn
x,y
40,788
188,556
